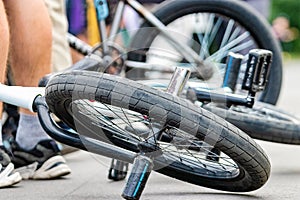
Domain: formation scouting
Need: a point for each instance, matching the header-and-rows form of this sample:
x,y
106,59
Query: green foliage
x,y
291,10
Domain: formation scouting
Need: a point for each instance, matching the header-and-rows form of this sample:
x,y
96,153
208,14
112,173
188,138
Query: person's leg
x,y
30,60
30,54
4,35
31,40
61,55
7,178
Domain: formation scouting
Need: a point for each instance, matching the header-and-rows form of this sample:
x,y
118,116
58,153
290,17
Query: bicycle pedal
x,y
257,70
233,65
140,173
118,170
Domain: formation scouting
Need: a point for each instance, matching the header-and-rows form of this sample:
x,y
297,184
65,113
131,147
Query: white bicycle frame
x,y
20,96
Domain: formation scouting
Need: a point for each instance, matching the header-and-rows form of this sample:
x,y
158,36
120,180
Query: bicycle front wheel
x,y
212,28
127,114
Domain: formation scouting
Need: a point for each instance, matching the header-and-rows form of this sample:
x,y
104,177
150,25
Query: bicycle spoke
x,y
218,55
183,147
201,161
204,47
214,32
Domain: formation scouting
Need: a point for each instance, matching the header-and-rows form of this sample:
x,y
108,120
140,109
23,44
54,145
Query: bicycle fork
x,y
143,163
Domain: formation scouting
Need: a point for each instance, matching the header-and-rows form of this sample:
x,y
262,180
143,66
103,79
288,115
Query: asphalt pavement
x,y
89,172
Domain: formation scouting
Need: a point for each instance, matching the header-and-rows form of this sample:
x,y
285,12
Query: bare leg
x,y
29,57
4,35
7,176
31,41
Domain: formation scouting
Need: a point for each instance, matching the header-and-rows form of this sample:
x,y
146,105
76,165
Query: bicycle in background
x,y
186,33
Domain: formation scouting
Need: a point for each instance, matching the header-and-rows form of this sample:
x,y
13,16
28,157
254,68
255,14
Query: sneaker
x,y
7,176
42,162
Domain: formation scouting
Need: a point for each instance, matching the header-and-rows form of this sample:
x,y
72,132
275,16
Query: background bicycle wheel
x,y
212,28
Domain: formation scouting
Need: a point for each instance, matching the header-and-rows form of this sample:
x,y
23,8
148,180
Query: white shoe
x,y
8,177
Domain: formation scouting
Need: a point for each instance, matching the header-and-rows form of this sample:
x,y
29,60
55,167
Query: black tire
x,y
182,120
263,121
243,16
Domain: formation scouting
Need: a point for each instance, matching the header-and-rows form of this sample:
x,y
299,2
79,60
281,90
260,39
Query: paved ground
x,y
88,180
